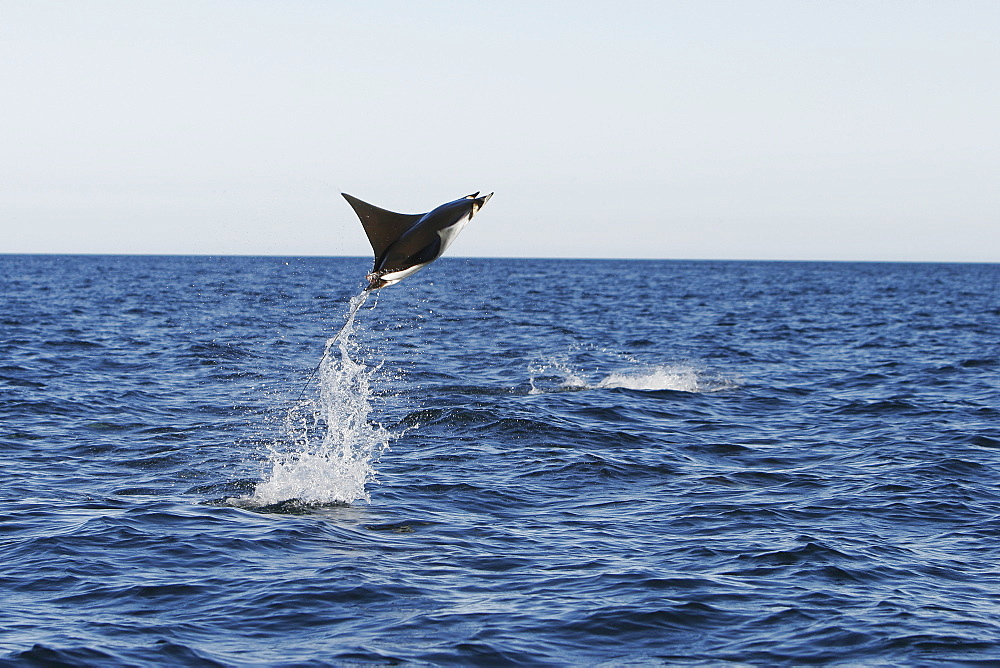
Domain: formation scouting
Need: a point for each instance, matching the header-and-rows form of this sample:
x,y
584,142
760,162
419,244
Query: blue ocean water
x,y
498,462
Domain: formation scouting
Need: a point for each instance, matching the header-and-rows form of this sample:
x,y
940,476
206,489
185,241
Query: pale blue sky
x,y
761,130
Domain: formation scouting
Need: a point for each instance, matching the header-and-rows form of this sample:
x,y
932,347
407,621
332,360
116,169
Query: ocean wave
x,y
577,476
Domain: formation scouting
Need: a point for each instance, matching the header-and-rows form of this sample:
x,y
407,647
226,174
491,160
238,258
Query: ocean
x,y
211,461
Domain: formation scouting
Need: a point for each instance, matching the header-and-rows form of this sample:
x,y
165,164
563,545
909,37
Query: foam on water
x,y
329,449
677,377
557,375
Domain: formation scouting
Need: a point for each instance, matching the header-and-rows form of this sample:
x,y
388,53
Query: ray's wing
x,y
382,227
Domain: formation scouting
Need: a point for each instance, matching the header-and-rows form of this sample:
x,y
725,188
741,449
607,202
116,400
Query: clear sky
x,y
848,130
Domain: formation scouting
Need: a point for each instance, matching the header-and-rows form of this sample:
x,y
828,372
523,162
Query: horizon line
x,y
498,257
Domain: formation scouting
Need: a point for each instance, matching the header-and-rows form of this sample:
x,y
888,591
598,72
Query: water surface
x,y
524,462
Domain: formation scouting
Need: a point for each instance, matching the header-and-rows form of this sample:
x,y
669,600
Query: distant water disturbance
x,y
557,374
725,463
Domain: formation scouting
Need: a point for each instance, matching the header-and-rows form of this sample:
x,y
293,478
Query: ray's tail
x,y
356,303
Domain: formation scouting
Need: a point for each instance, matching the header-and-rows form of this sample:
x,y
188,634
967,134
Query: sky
x,y
800,130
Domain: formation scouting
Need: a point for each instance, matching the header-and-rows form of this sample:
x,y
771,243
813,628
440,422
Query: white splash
x,y
555,371
559,375
680,378
329,449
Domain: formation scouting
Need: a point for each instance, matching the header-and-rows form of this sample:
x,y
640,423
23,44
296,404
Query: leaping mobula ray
x,y
406,243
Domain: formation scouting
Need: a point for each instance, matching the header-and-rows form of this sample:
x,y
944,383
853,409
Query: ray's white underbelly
x,y
448,234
